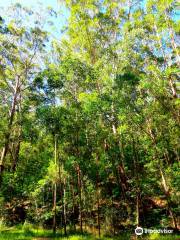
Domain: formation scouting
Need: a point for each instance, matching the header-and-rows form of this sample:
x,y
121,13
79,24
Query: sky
x,y
56,5
59,22
30,3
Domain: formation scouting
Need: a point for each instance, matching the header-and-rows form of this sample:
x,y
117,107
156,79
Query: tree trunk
x,y
15,153
8,134
98,207
80,197
72,190
163,179
55,186
64,207
172,37
136,174
99,224
168,198
119,145
54,208
16,156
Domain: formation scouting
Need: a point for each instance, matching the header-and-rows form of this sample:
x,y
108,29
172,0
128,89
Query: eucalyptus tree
x,y
116,80
106,113
21,50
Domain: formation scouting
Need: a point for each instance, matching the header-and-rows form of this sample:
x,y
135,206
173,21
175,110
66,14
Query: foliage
x,y
90,123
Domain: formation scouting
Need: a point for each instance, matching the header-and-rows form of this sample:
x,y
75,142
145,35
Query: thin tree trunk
x,y
171,83
173,87
136,173
80,197
72,190
55,186
168,198
8,134
98,209
119,144
164,182
54,208
99,223
16,156
15,153
137,210
113,222
64,207
173,42
98,196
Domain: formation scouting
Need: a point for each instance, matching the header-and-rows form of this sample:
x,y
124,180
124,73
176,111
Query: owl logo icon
x,y
139,231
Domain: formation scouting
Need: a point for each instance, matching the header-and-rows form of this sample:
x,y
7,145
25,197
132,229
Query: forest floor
x,y
19,234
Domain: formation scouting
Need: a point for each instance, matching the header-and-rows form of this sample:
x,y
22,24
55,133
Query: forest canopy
x,y
89,116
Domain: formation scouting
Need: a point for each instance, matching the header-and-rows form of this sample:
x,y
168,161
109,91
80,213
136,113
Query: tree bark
x,y
55,186
15,152
11,118
54,208
98,207
80,197
163,180
119,144
168,198
64,207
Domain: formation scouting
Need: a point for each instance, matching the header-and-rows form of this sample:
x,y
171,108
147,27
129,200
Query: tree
x,y
20,48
